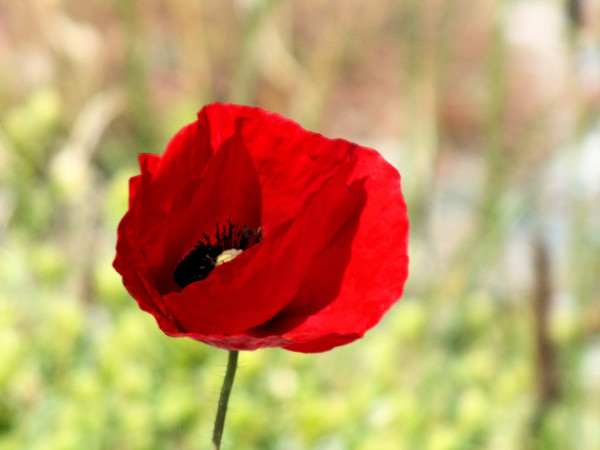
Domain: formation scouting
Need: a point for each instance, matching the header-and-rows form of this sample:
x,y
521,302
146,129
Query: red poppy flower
x,y
252,232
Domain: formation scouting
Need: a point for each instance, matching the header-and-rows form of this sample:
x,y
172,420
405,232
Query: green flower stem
x,y
224,399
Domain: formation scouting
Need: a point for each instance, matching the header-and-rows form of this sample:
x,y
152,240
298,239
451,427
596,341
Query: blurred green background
x,y
489,109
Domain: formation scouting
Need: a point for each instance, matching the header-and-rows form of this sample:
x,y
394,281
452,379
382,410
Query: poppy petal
x,y
323,344
291,163
353,300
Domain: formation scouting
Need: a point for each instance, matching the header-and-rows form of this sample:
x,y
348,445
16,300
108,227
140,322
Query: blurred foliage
x,y
495,153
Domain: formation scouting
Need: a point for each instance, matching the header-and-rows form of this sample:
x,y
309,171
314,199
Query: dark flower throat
x,y
203,258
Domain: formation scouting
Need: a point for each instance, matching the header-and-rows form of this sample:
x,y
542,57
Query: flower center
x,y
212,250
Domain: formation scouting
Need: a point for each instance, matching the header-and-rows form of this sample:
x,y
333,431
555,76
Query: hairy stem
x,y
224,399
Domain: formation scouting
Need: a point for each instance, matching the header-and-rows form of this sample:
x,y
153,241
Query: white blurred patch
x,y
535,24
590,368
587,170
283,383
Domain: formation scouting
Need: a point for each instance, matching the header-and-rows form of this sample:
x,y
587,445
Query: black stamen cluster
x,y
203,258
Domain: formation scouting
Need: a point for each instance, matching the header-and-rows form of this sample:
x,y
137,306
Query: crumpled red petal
x,y
291,162
372,280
